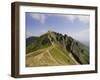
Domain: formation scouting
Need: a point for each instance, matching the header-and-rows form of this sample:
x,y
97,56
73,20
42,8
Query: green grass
x,y
51,56
42,59
81,52
50,50
60,56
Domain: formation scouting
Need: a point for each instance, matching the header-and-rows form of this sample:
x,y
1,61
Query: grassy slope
x,y
84,55
48,51
51,56
40,43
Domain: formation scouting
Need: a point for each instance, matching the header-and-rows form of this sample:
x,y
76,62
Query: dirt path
x,y
52,57
42,53
31,53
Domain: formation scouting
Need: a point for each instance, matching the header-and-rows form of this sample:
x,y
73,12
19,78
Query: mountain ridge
x,y
63,44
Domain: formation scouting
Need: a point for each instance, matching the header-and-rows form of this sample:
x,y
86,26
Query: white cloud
x,y
81,18
84,19
35,33
39,17
71,17
29,34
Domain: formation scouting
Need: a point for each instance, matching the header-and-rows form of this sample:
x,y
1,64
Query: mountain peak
x,y
64,50
49,31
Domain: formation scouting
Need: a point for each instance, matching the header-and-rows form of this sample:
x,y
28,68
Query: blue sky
x,y
73,25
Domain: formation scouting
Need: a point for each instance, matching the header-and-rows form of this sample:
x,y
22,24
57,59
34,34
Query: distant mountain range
x,y
54,49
